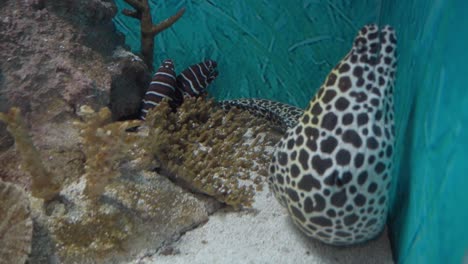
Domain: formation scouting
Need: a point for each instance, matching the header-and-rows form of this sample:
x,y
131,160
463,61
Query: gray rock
x,y
138,214
130,79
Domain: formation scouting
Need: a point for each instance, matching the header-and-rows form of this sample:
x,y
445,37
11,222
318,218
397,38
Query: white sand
x,y
263,235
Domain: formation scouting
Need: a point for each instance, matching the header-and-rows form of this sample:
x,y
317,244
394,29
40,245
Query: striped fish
x,y
192,82
162,86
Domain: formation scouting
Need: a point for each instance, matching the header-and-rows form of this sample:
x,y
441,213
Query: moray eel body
x,y
282,115
191,82
163,85
332,170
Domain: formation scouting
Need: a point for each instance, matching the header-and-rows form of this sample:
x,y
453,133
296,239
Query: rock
x,y
6,140
84,12
130,79
56,57
138,214
35,4
46,70
10,163
15,224
93,18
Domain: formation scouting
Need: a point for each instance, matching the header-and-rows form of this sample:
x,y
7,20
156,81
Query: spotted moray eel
x,y
281,115
332,168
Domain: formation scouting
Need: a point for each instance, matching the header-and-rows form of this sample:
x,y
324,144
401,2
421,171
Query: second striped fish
x,y
193,81
162,86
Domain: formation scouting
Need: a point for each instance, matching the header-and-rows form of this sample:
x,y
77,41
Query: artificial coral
x,y
203,147
149,30
43,183
106,145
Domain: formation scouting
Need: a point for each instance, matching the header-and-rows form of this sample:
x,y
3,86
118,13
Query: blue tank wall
x,y
279,50
283,50
429,215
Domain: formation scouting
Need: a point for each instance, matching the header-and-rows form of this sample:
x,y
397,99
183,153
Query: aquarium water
x,y
283,50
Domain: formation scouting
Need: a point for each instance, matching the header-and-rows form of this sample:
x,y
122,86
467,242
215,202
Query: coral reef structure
x,y
43,183
149,30
332,171
103,196
138,212
199,146
15,224
106,145
203,147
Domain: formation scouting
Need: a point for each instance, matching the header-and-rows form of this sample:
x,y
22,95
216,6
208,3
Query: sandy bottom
x,y
264,234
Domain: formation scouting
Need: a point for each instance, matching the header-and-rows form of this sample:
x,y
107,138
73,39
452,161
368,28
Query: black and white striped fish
x,y
162,86
193,81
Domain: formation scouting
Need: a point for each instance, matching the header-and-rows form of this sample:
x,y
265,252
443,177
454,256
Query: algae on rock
x,y
92,236
139,212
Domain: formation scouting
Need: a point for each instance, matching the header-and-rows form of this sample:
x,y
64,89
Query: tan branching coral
x,y
148,30
15,224
203,147
106,145
43,183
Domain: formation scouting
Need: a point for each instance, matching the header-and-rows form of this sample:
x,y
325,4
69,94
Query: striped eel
x,y
162,86
191,82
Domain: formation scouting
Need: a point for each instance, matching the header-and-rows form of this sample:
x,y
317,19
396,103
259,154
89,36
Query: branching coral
x,y
43,184
106,145
203,147
142,12
200,145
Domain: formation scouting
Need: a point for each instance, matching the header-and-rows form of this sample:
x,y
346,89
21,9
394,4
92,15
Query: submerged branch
x,y
149,30
168,22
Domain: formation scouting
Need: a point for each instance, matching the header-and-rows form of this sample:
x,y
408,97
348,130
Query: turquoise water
x,y
431,202
282,50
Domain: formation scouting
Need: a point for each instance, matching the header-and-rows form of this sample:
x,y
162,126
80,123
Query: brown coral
x,y
43,183
106,145
142,12
15,224
203,147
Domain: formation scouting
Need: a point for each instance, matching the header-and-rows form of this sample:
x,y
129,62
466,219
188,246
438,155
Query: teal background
x,y
282,50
